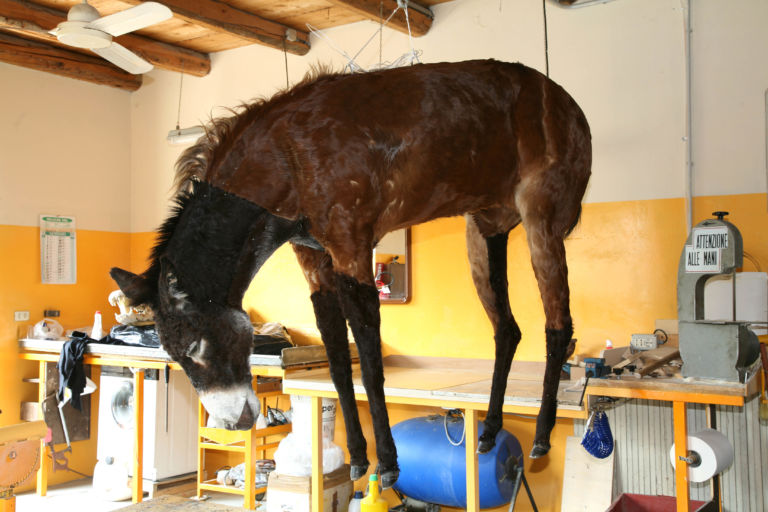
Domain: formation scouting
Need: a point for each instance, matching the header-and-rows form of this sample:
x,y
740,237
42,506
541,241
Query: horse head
x,y
194,333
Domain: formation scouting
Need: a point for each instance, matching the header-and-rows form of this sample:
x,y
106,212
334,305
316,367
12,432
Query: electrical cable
x,y
754,261
546,38
285,55
445,427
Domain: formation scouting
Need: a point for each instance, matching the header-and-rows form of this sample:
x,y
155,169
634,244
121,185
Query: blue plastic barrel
x,y
434,471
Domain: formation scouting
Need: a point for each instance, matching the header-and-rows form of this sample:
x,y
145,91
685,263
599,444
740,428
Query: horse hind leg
x,y
488,259
333,331
545,240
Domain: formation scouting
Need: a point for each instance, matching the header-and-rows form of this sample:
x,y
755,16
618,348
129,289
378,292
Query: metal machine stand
x,y
517,474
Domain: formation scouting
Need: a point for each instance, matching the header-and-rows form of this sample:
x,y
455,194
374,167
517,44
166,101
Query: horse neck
x,y
222,240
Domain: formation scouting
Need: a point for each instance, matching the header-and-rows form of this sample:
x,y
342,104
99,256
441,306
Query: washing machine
x,y
170,428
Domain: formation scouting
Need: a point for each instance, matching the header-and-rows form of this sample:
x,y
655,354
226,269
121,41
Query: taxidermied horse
x,y
332,165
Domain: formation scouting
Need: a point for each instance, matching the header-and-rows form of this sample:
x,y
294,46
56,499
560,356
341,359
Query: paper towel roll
x,y
715,451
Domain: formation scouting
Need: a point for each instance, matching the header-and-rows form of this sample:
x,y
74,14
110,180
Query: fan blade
x,y
124,58
135,18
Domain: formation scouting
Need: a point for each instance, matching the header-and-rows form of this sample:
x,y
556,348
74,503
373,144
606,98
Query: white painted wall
x,y
730,46
62,140
623,61
64,149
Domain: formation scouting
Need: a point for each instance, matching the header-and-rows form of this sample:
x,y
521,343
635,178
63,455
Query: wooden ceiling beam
x,y
167,56
51,59
32,20
419,17
218,16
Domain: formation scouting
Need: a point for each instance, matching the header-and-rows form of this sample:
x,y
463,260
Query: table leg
x,y
317,454
473,481
680,422
42,473
715,482
200,450
249,497
138,436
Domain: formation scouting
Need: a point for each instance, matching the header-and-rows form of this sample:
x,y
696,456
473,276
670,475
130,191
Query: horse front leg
x,y
360,303
333,331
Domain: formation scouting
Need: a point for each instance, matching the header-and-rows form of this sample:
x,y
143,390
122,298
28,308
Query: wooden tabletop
x,y
130,355
678,389
441,381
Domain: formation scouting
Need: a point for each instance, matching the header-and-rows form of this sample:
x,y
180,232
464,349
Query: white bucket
x,y
302,417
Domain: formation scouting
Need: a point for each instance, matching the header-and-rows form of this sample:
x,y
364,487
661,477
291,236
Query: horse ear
x,y
138,289
177,296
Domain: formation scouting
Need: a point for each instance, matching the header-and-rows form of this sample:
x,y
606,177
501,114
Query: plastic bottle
x,y
96,329
373,502
356,502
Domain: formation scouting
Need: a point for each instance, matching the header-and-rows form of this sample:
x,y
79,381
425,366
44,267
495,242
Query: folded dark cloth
x,y
71,371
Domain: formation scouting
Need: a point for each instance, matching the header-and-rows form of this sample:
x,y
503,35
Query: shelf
x,y
223,439
213,485
236,448
245,442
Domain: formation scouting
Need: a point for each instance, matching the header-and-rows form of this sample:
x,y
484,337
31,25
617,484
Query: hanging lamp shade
x,y
185,135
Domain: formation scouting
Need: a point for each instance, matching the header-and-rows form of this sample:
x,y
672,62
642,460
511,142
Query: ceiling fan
x,y
85,28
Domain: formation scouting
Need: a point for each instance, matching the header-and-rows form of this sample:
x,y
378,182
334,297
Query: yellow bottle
x,y
373,502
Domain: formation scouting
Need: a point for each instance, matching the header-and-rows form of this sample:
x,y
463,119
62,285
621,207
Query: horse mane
x,y
168,227
193,163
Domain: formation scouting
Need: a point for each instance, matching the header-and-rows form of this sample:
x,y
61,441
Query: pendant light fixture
x,y
181,136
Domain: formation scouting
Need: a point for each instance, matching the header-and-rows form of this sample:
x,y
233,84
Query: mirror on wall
x,y
391,267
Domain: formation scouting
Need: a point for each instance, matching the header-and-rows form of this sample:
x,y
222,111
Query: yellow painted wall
x,y
623,264
633,245
22,290
623,259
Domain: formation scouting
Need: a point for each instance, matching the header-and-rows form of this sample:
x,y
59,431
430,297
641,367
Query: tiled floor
x,y
78,496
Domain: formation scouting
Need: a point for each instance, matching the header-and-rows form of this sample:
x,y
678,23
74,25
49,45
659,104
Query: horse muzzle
x,y
234,408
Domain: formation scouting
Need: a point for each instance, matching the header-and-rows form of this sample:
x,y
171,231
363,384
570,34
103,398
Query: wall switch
x,y
21,316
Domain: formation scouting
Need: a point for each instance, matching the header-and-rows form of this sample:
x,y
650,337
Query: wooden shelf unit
x,y
245,442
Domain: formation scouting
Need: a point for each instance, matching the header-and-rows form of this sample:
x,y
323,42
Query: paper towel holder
x,y
693,459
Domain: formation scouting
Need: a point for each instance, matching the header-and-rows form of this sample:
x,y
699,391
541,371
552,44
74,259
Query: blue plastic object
x,y
598,439
433,469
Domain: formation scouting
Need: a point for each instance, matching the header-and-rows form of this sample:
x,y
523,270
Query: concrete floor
x,y
78,496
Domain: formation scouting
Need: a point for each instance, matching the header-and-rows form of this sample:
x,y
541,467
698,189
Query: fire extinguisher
x,y
383,280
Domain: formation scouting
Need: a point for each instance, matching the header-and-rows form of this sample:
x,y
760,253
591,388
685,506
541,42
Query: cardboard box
x,y
286,493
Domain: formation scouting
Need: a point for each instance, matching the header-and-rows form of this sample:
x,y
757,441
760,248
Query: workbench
x,y
679,392
435,382
138,358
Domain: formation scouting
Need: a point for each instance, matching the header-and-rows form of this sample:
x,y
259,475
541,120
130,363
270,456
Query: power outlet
x,y
21,316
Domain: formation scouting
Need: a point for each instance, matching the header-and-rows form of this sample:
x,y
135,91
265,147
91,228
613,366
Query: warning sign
x,y
704,255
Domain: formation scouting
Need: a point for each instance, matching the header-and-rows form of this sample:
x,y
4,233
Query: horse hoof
x,y
356,472
389,477
539,450
485,444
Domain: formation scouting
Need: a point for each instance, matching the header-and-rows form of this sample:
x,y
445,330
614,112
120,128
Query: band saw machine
x,y
709,349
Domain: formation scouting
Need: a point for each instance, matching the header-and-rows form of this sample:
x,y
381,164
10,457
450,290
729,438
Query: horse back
x,y
388,149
